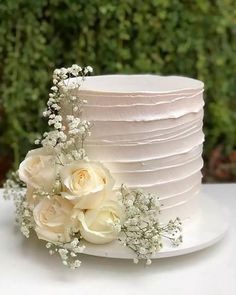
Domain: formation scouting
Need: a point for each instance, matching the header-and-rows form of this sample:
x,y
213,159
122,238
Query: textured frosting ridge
x,y
147,130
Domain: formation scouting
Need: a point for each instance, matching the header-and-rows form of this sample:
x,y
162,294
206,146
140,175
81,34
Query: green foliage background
x,y
192,38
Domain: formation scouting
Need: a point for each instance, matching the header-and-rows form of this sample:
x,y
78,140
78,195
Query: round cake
x,y
147,129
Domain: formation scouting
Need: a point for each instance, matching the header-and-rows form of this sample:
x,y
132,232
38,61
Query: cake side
x,y
150,140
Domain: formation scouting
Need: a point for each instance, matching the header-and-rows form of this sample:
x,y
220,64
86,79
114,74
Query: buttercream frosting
x,y
147,129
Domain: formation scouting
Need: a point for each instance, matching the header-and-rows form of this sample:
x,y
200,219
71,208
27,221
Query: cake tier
x,y
147,130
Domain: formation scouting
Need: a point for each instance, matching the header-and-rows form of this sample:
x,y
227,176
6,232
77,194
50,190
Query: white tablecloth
x,y
26,267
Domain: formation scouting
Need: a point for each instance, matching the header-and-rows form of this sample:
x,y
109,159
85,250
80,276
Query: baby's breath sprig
x,y
13,186
171,231
24,216
141,230
15,189
69,130
69,252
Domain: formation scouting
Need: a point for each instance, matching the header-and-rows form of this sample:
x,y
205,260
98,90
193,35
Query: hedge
x,y
192,38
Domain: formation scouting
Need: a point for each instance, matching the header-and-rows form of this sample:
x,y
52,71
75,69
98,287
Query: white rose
x,y
101,225
38,170
53,219
87,184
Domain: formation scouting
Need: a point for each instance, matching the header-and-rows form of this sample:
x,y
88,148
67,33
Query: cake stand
x,y
206,229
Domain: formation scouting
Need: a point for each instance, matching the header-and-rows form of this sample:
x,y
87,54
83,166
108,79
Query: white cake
x,y
147,130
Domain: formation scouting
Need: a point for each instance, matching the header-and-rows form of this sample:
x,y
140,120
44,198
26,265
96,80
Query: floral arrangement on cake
x,y
66,198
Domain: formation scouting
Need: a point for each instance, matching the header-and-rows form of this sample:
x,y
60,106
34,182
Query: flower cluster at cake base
x,y
66,198
141,230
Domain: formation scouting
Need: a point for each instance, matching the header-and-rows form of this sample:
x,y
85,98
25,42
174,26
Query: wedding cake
x,y
118,170
147,129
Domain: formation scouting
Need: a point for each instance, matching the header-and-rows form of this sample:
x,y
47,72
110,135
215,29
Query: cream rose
x,y
101,225
53,219
38,170
87,184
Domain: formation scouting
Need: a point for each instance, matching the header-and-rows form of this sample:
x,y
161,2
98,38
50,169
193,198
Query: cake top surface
x,y
139,84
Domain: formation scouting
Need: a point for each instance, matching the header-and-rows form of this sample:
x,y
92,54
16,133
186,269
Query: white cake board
x,y
206,229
